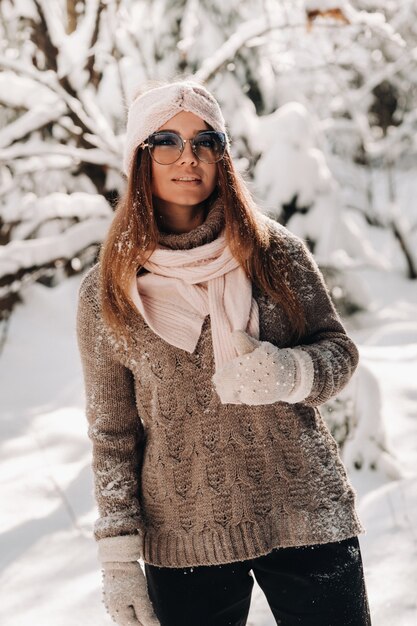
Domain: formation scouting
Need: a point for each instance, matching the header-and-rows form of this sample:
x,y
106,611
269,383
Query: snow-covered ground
x,y
49,574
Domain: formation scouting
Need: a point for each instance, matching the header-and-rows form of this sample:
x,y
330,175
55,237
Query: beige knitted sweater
x,y
199,482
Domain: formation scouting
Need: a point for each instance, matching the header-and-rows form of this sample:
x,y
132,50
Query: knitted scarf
x,y
183,286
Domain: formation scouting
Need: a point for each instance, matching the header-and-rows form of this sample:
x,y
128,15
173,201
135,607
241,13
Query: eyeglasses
x,y
166,147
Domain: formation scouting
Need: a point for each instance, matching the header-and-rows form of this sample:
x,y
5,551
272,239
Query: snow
x,y
36,118
34,209
18,255
17,91
36,147
229,49
49,568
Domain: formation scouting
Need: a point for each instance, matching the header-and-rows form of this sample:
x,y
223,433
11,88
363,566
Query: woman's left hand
x,y
263,373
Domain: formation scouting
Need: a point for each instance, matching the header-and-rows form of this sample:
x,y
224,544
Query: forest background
x,y
320,101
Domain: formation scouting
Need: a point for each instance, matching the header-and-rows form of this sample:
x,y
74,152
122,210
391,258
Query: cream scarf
x,y
183,286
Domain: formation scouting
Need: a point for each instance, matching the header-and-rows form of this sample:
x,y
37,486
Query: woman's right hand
x,y
125,594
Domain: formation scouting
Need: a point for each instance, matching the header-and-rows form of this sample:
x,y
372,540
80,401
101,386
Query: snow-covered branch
x,y
33,211
230,48
32,120
19,255
35,148
49,79
24,168
387,71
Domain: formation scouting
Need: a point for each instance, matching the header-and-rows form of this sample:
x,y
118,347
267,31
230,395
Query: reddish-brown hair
x,y
133,236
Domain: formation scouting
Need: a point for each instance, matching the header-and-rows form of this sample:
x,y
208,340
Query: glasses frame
x,y
148,144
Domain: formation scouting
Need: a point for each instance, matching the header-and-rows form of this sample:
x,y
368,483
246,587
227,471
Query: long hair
x,y
133,236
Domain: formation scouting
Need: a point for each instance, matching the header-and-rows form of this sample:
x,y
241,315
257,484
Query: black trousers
x,y
318,585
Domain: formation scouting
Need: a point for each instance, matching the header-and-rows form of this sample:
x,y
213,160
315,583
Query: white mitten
x,y
125,590
264,374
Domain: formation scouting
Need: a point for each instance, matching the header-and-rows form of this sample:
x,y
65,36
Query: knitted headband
x,y
155,107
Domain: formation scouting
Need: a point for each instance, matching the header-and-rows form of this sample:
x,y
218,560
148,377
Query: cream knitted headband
x,y
156,106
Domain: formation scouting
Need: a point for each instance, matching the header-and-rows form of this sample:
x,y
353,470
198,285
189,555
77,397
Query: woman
x,y
208,340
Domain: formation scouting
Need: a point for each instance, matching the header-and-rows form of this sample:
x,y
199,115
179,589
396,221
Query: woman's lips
x,y
188,183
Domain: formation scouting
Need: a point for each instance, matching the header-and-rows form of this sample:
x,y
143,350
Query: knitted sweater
x,y
197,481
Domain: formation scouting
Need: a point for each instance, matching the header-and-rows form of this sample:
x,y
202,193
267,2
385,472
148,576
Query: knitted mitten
x,y
125,590
264,374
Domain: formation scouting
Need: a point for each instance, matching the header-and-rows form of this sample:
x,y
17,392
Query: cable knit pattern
x,y
204,482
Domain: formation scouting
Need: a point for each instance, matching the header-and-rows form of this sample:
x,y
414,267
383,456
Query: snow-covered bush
x,y
355,420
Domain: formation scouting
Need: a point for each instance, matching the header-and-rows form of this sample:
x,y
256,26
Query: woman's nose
x,y
188,155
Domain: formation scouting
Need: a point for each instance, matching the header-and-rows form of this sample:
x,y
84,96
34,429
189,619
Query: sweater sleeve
x,y
115,428
326,354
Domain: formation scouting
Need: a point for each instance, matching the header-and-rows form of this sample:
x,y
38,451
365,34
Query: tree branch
x,y
91,155
48,78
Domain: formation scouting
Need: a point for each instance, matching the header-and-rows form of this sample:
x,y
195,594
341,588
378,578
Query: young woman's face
x,y
166,188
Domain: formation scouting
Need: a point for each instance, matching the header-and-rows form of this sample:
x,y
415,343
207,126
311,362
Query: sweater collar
x,y
205,233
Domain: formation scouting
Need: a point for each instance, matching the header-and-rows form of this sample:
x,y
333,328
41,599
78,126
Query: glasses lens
x,y
209,146
165,147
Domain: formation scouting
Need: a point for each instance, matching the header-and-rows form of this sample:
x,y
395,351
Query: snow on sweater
x,y
202,483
